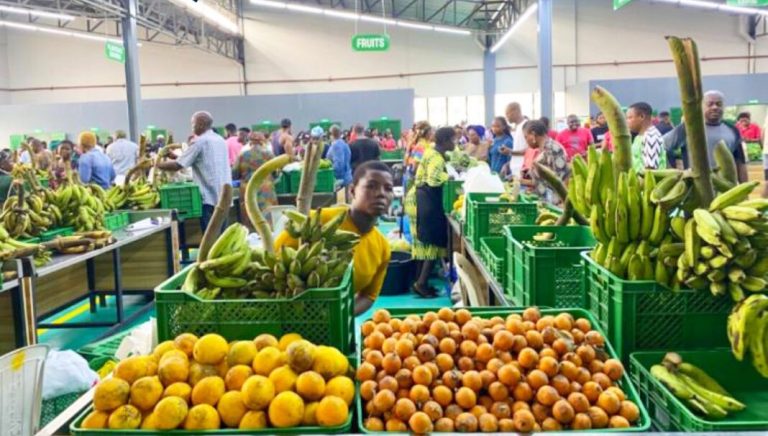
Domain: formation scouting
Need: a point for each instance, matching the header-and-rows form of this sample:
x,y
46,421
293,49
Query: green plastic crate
x,y
55,233
322,316
283,184
116,220
671,415
325,181
184,197
487,214
643,423
76,429
451,191
546,274
52,407
106,347
392,155
644,315
494,255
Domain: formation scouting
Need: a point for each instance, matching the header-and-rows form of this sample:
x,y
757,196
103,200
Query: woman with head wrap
x,y
422,137
476,146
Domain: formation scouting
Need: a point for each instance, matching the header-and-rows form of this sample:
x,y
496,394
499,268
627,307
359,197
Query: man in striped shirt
x,y
648,146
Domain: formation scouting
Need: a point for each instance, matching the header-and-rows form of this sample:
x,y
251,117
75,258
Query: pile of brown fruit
x,y
449,371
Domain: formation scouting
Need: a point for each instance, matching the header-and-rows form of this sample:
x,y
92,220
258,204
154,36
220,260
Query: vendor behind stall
x,y
372,192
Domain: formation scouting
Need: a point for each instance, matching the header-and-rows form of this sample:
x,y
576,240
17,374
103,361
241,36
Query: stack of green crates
x,y
283,184
547,273
184,197
487,214
494,256
644,315
451,191
325,181
322,316
740,379
392,155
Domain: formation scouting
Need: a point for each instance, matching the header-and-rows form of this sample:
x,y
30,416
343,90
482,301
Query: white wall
x,y
290,53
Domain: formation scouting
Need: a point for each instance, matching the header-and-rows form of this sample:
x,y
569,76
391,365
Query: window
x,y
457,110
420,110
476,109
438,111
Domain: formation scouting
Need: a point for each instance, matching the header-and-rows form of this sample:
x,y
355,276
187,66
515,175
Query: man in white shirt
x,y
517,122
123,153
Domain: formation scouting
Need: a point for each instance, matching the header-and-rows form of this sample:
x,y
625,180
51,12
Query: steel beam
x,y
489,83
545,58
132,80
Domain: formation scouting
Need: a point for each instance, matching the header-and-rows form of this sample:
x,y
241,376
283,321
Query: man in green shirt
x,y
648,146
5,174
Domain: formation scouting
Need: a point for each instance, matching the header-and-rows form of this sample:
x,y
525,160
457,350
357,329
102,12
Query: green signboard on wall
x,y
747,2
370,42
620,4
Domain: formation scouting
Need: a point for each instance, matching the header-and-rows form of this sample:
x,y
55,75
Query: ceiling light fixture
x,y
36,13
81,35
212,15
718,7
520,20
354,16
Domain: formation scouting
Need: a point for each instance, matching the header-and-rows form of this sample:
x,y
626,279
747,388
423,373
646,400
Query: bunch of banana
x,y
26,215
10,248
546,218
81,209
142,195
689,383
748,330
101,196
722,249
117,196
225,267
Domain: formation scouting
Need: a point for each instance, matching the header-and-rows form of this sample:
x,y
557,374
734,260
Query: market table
x,y
146,254
496,294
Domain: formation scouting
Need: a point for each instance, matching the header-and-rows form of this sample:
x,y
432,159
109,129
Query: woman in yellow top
x,y
372,192
424,206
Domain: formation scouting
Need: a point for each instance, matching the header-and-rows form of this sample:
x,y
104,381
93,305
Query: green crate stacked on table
x,y
494,256
50,235
184,197
451,191
392,155
643,423
52,407
116,220
322,316
644,315
106,347
325,181
283,184
487,214
740,379
546,273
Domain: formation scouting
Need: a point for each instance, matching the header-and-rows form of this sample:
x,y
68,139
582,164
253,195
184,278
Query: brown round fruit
x,y
594,339
609,402
447,346
613,369
373,424
564,321
488,423
537,379
563,412
501,410
524,421
439,329
452,411
366,371
498,391
472,380
523,392
592,390
404,379
391,363
618,421
528,358
422,375
389,345
466,398
466,423
540,411
462,316
583,324
419,394
368,390
411,362
404,348
503,340
444,362
547,395
531,314
586,352
520,405
426,353
390,383
551,424
598,417
444,425
629,411
488,377
404,408
442,395
509,375
603,380
581,422
381,315
468,348
383,401
395,425
466,364
433,410
452,379
579,402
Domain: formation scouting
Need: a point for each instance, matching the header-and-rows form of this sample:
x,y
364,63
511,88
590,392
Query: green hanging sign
x,y
114,51
747,2
370,42
617,4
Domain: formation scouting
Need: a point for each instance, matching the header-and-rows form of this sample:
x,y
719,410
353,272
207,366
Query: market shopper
x,y
600,128
94,166
123,153
207,156
665,123
365,148
575,138
550,154
234,146
502,146
749,131
388,142
63,163
282,139
476,146
372,192
716,130
648,146
6,165
246,164
424,206
341,156
516,121
551,133
422,136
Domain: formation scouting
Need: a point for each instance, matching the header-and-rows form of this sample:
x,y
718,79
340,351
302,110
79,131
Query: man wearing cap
x,y
94,166
123,153
208,157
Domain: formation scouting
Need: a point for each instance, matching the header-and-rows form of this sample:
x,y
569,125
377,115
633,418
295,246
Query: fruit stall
x,y
636,304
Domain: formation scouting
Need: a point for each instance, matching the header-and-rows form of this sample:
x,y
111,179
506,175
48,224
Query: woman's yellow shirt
x,y
371,256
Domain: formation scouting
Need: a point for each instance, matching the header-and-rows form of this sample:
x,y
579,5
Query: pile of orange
x,y
450,371
207,383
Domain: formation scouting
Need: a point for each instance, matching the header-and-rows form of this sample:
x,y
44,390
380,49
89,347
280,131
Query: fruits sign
x,y
115,51
620,3
370,42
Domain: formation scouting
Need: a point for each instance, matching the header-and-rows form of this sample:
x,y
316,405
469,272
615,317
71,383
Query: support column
x,y
545,58
489,84
132,79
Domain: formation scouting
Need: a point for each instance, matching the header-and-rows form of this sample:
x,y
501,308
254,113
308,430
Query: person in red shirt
x,y
750,132
388,143
575,139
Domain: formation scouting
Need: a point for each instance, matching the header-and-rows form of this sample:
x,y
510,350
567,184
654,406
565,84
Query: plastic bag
x,y
293,166
480,179
140,341
66,372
